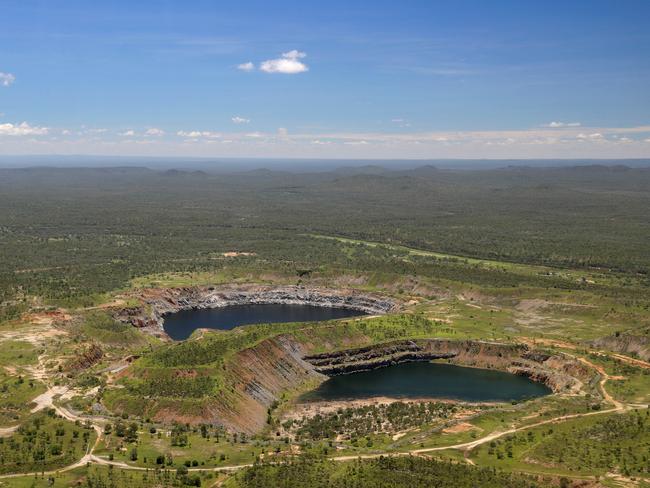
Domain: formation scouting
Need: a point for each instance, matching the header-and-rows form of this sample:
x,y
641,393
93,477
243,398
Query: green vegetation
x,y
180,445
42,443
110,477
384,472
615,443
516,254
123,223
17,353
102,328
16,395
362,421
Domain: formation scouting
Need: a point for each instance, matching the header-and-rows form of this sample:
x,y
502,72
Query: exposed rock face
x,y
86,359
259,377
261,374
558,372
367,358
158,302
634,345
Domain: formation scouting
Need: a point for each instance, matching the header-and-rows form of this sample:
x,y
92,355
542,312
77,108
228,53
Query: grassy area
x,y
179,445
584,446
629,383
16,395
17,354
103,476
44,442
100,327
411,472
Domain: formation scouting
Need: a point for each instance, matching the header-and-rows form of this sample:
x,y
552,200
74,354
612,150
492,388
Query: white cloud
x,y
240,120
23,129
287,64
127,133
196,134
6,79
154,132
246,66
282,132
557,125
594,136
401,122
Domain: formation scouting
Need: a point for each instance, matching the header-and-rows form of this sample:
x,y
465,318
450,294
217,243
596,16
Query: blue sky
x,y
419,79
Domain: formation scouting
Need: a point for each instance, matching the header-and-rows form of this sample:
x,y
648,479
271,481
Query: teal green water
x,y
429,380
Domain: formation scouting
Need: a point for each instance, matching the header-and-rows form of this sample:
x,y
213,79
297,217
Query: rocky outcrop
x,y
373,357
259,376
158,302
85,359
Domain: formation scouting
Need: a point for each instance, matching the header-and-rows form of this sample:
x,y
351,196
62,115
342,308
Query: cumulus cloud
x,y
246,66
289,63
557,125
155,132
240,120
23,129
127,133
6,79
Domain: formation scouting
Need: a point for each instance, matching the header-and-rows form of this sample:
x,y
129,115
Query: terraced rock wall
x,y
158,302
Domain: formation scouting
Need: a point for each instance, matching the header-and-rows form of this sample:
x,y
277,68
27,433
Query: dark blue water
x,y
429,380
180,325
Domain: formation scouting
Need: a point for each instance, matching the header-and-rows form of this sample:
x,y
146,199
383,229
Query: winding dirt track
x,y
466,447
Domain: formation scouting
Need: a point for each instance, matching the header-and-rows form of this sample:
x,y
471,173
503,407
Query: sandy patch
x,y
47,318
459,427
397,436
45,400
234,254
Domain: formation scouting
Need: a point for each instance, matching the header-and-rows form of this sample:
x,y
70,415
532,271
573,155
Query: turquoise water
x,y
429,380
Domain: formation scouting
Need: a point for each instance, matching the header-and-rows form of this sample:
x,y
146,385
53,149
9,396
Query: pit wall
x,y
158,302
260,375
